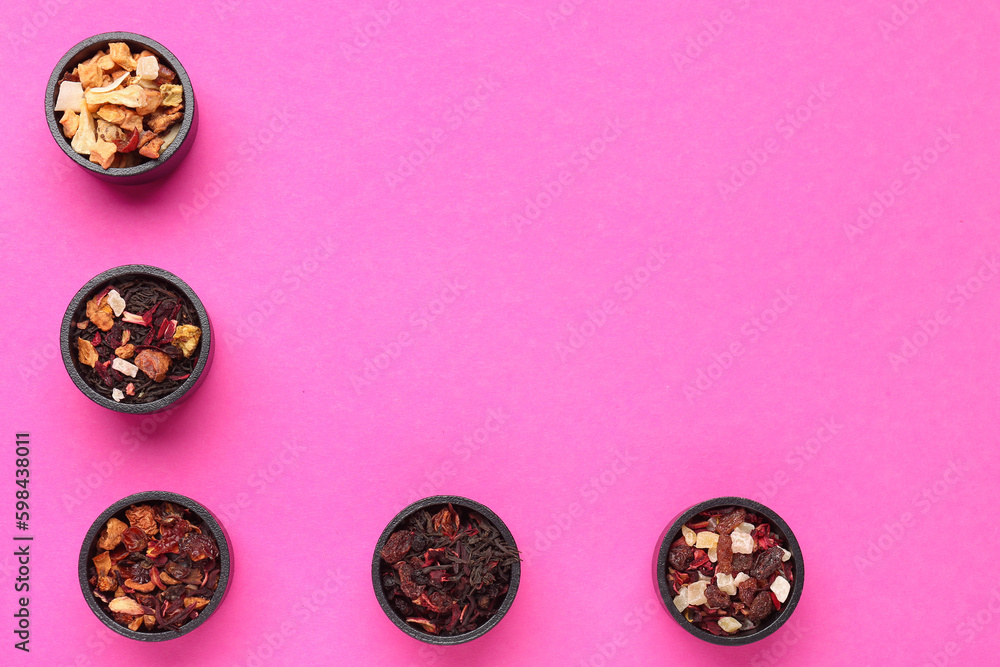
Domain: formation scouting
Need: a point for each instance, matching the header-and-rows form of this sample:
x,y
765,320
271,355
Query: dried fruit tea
x,y
446,572
728,572
156,572
137,341
120,108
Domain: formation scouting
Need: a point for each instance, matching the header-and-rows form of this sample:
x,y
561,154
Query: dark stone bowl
x,y
89,549
515,575
778,527
151,169
78,306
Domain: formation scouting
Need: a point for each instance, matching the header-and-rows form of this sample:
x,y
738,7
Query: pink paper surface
x,y
630,238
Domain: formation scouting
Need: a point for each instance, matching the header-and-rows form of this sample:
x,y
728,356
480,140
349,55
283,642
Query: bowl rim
x,y
77,302
207,518
73,57
778,524
424,503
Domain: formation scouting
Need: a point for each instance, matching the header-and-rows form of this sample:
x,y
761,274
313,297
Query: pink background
x,y
598,328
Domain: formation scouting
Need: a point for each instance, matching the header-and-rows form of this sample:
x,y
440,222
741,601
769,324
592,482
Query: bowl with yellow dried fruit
x,y
729,570
136,339
121,106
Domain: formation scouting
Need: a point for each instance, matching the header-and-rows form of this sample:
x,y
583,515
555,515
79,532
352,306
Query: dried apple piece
x,y
120,53
86,133
141,516
163,119
113,113
199,603
132,121
186,338
126,605
152,149
86,352
173,94
100,313
111,535
142,588
90,74
126,351
102,562
132,97
105,62
149,101
70,122
103,153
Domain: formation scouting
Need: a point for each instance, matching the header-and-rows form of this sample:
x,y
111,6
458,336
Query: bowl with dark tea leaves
x,y
446,570
155,566
136,339
729,571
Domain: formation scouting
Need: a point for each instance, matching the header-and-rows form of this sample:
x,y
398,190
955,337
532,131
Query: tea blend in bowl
x,y
447,570
120,107
728,572
136,339
156,567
